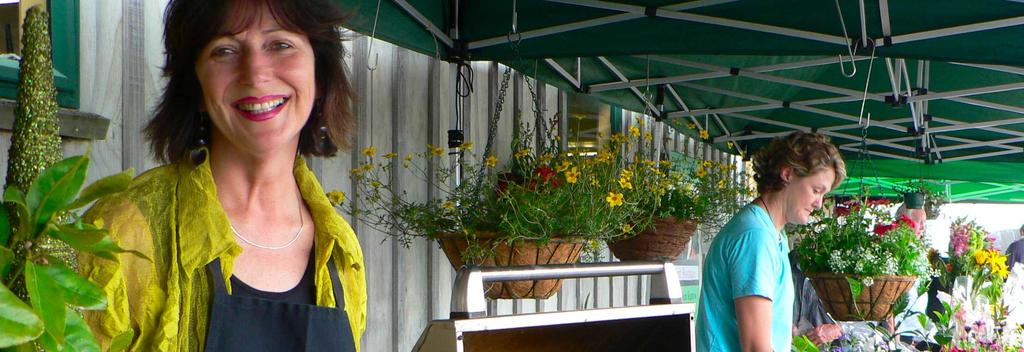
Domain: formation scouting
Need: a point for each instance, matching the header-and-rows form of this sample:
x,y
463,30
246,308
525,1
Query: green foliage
x,y
803,344
55,291
540,194
861,241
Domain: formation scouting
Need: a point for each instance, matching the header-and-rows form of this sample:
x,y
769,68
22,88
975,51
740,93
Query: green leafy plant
x,y
540,194
50,317
933,197
860,238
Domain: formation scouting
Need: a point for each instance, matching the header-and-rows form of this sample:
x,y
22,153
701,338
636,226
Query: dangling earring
x,y
325,143
198,154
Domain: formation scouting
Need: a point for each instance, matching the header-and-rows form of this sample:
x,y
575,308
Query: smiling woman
x,y
747,276
238,227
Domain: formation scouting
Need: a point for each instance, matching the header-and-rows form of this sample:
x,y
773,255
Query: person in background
x,y
248,254
746,301
1015,251
809,316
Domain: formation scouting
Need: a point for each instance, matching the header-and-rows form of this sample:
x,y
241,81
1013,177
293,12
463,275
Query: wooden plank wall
x,y
405,103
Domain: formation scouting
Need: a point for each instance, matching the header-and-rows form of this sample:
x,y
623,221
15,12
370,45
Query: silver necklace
x,y
302,224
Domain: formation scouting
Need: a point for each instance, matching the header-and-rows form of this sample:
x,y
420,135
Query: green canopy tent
x,y
931,88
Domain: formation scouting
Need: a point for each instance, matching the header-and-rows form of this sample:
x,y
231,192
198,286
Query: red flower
x,y
907,220
881,230
546,175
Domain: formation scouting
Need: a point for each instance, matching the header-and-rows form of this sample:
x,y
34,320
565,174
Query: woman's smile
x,y
260,108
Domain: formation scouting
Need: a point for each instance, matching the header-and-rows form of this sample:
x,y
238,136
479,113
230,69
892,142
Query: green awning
x,y
944,93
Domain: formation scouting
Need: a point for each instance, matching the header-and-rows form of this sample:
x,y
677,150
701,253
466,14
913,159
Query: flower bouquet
x,y
862,262
543,206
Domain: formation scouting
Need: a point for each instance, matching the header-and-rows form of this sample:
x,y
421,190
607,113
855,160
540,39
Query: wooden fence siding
x,y
374,114
441,274
100,60
410,133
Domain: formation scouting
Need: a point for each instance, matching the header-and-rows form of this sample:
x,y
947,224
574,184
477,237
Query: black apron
x,y
253,324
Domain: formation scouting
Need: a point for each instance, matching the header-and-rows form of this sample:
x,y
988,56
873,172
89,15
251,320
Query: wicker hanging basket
x,y
875,301
664,240
556,251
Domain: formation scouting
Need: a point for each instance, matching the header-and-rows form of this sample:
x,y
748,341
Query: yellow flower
x,y
357,171
449,205
545,158
367,167
627,173
466,146
666,163
375,184
704,134
634,131
707,164
981,257
408,157
691,125
491,161
614,199
627,228
390,155
604,156
648,136
701,172
624,183
729,144
618,137
336,197
593,182
522,153
565,166
572,175
370,151
721,183
437,151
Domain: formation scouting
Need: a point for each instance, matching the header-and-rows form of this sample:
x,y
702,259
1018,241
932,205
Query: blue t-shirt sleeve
x,y
754,265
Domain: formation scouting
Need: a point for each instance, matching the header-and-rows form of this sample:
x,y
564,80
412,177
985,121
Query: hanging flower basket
x,y
664,240
556,251
914,200
874,303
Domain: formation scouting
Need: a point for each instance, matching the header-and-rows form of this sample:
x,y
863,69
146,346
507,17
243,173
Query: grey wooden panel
x,y
373,109
410,133
100,61
441,272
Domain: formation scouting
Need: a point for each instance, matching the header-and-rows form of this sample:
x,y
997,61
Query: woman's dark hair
x,y
806,153
191,24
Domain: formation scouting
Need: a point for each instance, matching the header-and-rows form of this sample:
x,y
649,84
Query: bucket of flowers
x,y
860,263
544,206
681,196
977,314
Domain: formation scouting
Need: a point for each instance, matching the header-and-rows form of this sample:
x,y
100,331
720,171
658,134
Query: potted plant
x,y
860,262
683,197
920,194
543,206
50,316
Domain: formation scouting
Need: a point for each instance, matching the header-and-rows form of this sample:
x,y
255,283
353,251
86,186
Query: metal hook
x,y
373,33
849,47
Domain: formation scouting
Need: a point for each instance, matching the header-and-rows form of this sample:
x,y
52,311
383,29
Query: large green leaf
x,y
90,239
55,188
5,227
76,290
803,344
12,195
6,258
121,341
47,300
78,337
104,186
18,323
